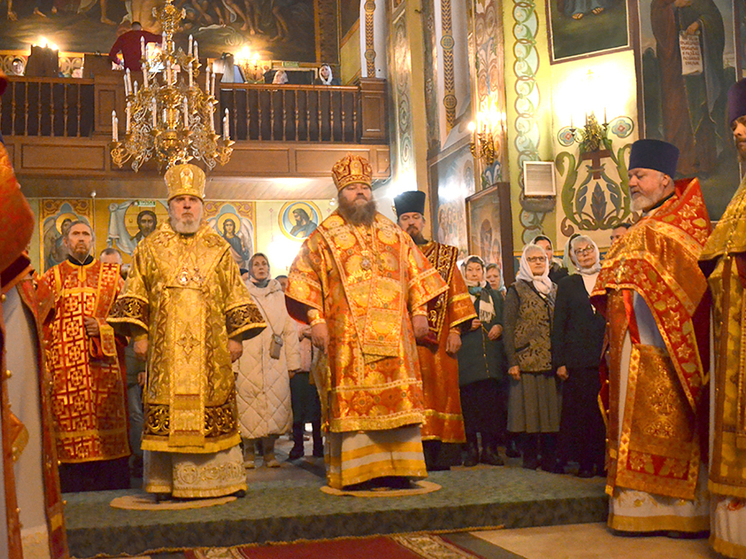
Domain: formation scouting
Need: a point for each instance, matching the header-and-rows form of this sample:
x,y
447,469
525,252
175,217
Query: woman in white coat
x,y
263,381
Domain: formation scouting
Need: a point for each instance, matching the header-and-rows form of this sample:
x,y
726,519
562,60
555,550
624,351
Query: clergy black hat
x,y
410,201
737,100
654,154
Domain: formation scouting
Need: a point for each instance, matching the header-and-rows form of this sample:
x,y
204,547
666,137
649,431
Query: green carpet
x,y
285,511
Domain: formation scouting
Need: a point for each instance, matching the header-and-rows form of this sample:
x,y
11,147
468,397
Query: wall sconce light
x,y
593,136
252,67
482,143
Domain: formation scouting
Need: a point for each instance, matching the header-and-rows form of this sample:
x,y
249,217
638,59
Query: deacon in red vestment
x,y
86,363
437,351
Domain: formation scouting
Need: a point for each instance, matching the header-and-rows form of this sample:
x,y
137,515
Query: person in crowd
x,y
130,47
495,279
280,77
619,231
18,66
86,362
534,396
443,430
723,260
556,270
652,294
33,524
188,312
577,341
303,394
326,77
263,381
110,255
363,286
481,369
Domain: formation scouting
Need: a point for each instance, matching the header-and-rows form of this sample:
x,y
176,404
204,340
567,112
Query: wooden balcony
x,y
59,128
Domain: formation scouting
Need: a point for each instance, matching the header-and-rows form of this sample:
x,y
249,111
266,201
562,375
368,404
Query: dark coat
x,y
479,357
578,331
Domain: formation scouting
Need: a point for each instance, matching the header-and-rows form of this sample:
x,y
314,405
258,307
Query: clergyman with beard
x,y
363,286
188,311
652,294
443,429
724,261
85,361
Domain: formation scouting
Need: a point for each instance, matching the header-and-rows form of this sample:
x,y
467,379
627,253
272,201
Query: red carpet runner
x,y
409,546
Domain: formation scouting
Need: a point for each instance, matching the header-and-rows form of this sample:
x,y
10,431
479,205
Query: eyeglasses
x,y
535,259
583,251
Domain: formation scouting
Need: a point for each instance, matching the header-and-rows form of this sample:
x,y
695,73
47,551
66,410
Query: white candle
x,y
190,46
154,109
114,132
212,85
191,75
128,76
186,114
226,126
207,80
135,91
144,76
127,121
142,47
210,119
168,72
196,51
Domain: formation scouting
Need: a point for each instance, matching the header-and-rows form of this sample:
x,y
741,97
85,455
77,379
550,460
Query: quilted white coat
x,y
263,383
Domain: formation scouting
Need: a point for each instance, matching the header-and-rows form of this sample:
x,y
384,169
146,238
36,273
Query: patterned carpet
x,y
287,510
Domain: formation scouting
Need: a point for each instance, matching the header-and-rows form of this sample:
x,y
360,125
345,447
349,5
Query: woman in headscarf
x,y
481,368
577,341
533,399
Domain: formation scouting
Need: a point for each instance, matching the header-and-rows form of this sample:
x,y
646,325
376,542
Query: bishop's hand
x,y
320,336
419,325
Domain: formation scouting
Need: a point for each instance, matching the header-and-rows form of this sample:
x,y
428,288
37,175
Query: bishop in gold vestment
x,y
437,351
364,288
652,293
188,310
724,261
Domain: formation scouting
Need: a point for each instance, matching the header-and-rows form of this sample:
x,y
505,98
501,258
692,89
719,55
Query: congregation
x,y
185,369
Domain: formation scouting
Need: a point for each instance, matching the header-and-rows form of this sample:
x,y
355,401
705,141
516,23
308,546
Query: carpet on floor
x,y
400,546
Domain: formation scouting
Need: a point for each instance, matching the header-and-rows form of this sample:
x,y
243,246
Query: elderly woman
x,y
534,398
577,341
481,368
263,381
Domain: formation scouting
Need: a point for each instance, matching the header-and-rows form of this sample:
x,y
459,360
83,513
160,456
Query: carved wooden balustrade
x,y
66,107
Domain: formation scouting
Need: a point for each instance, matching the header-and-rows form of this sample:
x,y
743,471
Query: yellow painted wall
x,y
349,56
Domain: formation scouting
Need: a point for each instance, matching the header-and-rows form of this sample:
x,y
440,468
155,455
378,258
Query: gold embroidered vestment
x,y
186,293
365,282
658,450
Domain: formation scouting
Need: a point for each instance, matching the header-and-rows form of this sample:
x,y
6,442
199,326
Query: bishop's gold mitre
x,y
185,180
352,169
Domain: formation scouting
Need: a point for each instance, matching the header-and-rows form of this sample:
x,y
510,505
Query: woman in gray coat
x,y
534,398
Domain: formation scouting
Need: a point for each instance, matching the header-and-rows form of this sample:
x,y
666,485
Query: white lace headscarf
x,y
542,283
327,81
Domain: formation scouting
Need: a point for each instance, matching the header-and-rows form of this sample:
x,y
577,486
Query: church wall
x,y
349,56
262,226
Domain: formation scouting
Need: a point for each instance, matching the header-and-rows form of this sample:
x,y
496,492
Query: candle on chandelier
x,y
207,80
186,114
128,75
142,47
212,84
191,75
135,90
168,73
155,116
114,127
196,51
226,126
127,120
190,46
210,120
144,76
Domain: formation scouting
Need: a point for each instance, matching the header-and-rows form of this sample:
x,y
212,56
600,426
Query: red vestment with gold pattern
x,y
443,420
655,445
88,384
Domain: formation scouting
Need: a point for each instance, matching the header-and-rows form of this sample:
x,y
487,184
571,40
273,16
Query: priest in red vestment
x,y
437,351
86,363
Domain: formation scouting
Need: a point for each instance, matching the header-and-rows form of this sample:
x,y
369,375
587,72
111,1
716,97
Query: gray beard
x,y
185,227
358,215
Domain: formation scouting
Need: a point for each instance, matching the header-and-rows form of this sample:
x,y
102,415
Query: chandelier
x,y
169,117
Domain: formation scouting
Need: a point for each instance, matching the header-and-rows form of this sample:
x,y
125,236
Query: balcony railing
x,y
65,107
47,107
